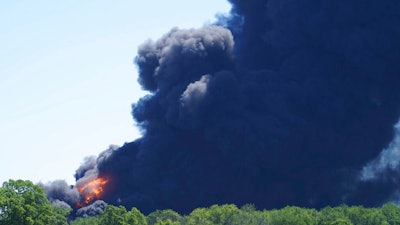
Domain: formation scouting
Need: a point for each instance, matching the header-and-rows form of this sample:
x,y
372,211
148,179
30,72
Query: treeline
x,y
23,203
248,215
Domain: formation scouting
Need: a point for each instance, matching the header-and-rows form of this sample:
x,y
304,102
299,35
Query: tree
x,y
392,213
114,215
119,216
215,215
135,217
292,215
341,222
199,216
329,215
90,220
163,215
167,222
359,215
23,203
250,216
60,215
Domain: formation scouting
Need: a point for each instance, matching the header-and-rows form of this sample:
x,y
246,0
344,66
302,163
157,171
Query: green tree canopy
x,y
90,220
163,215
135,217
23,203
216,214
292,215
119,216
392,213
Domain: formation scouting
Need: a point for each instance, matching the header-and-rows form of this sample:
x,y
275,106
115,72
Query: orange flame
x,y
92,190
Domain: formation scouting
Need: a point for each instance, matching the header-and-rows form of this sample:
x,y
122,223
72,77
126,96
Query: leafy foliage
x,y
164,216
23,203
91,220
291,215
119,216
60,215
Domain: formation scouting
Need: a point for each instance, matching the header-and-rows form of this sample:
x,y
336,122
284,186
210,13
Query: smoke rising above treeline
x,y
279,103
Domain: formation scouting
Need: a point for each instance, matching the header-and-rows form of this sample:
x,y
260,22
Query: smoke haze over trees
x,y
280,103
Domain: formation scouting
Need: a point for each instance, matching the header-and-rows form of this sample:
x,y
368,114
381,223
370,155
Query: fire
x,y
92,190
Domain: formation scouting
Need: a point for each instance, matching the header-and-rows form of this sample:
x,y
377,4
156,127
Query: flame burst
x,y
92,190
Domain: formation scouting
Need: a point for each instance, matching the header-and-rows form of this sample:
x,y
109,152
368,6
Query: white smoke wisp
x,y
389,158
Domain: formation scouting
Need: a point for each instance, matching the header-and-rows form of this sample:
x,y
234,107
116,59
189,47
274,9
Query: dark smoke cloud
x,y
60,193
89,163
92,210
287,103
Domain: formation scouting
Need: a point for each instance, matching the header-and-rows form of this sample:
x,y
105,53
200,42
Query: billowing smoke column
x,y
284,103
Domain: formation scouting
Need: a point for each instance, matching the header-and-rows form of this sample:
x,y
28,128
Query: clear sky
x,y
67,78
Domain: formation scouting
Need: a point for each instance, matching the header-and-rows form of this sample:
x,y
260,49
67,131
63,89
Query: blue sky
x,y
67,78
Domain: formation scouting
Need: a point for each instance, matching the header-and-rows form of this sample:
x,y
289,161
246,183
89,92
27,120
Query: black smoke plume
x,y
280,103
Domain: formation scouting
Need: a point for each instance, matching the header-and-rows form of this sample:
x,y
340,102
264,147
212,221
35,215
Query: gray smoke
x,y
61,204
59,190
92,210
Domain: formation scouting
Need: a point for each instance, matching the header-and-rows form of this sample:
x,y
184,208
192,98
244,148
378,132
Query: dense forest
x,y
24,203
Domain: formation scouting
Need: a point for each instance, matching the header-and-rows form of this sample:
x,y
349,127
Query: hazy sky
x,y
67,77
